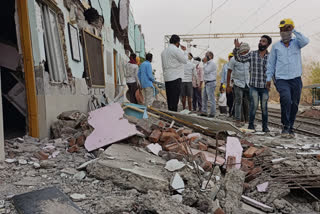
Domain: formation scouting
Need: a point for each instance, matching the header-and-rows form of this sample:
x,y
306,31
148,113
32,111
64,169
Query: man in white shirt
x,y
186,86
209,77
173,60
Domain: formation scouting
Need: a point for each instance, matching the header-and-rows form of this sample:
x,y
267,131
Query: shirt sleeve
x,y
136,71
231,64
182,56
271,65
241,58
301,39
139,73
222,74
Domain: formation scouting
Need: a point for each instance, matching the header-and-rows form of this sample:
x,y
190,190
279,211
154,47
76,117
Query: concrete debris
x,y
174,165
102,135
263,187
177,183
278,160
256,204
154,148
23,162
78,197
80,175
9,160
233,185
177,198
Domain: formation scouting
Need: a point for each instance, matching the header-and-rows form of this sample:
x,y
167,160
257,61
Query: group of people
x,y
245,79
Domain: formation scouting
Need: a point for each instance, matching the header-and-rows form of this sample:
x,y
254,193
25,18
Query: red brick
x,y
74,148
41,155
249,153
166,135
81,140
246,143
218,211
318,157
155,136
172,130
199,145
72,141
161,124
246,165
231,161
180,131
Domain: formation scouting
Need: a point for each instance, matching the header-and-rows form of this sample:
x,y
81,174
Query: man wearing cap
x,y
186,86
173,60
224,75
284,64
209,77
258,79
241,77
197,81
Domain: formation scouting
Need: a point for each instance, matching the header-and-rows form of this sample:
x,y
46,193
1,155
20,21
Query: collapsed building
x,y
58,55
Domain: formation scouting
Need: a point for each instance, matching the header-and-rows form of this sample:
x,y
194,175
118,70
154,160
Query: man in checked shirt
x,y
258,79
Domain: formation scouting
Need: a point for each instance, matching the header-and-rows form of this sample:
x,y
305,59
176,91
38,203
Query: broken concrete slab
x,y
251,209
177,183
154,148
46,201
234,180
149,174
234,148
105,133
256,204
174,165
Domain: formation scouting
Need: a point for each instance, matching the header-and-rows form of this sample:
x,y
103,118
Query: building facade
x,y
58,55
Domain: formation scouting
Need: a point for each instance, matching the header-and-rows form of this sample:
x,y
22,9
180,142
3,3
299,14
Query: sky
x,y
166,17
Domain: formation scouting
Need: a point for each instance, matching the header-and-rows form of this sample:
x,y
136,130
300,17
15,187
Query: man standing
x,y
146,80
131,75
209,77
258,79
197,81
284,64
186,86
173,60
241,77
224,75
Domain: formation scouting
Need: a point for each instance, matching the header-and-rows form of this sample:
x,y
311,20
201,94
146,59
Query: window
x,y
53,48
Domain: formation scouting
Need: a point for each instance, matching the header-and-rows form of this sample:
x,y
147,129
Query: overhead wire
x,y
274,14
205,18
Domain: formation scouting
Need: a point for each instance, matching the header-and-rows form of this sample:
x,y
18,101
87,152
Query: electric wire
x,y
274,14
203,20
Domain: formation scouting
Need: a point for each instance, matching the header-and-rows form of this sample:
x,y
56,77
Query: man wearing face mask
x,y
284,64
241,77
197,81
209,77
258,79
173,60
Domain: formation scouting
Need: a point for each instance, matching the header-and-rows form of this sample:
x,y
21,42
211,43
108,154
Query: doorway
x,y
12,82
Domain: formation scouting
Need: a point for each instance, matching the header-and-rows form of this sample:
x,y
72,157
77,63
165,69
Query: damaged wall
x,y
54,98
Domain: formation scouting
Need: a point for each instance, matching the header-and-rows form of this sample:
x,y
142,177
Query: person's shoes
x,y
291,134
203,114
265,130
251,127
238,124
285,133
211,115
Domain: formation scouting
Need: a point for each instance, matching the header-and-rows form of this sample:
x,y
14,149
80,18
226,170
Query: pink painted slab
x,y
234,148
109,127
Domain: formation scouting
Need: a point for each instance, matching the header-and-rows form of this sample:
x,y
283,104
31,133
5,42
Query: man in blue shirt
x,y
146,80
284,65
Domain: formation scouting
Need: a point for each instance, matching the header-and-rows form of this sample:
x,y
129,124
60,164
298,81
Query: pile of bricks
x,y
72,126
181,143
